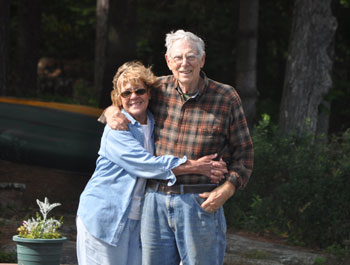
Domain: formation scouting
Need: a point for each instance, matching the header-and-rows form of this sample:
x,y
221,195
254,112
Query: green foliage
x,y
336,254
320,261
299,187
345,3
6,257
69,29
44,229
84,93
336,250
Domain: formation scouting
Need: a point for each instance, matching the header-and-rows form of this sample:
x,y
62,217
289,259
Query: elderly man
x,y
195,116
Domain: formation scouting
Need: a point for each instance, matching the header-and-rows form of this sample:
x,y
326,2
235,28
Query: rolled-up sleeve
x,y
241,143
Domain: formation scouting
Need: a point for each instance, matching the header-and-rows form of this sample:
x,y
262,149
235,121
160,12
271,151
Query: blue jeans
x,y
175,227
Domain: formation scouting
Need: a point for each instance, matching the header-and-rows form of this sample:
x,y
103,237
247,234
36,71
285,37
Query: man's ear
x,y
203,61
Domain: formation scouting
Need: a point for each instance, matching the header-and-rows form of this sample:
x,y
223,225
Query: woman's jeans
x,y
175,227
92,251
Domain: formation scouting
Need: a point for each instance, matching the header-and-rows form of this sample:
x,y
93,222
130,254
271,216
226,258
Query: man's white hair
x,y
184,35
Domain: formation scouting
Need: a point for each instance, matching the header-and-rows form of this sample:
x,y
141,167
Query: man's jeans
x,y
175,227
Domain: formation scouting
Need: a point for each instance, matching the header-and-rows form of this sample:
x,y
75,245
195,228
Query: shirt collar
x,y
203,82
131,118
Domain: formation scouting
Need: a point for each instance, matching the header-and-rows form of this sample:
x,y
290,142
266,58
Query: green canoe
x,y
55,135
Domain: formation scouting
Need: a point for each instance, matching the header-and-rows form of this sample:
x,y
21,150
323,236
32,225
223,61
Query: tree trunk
x,y
309,65
247,57
102,9
4,37
120,44
28,44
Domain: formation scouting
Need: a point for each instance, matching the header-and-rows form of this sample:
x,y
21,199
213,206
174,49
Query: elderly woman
x,y
108,218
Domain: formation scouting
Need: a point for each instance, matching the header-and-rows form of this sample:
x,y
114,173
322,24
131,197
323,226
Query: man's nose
x,y
184,60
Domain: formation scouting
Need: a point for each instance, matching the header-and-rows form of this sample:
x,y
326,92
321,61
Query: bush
x,y
299,187
8,257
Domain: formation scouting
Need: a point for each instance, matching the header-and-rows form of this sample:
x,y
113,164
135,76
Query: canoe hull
x,y
49,137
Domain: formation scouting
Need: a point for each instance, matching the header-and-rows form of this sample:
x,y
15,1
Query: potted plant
x,y
39,241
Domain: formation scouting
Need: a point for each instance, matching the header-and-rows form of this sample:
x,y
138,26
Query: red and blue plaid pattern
x,y
201,126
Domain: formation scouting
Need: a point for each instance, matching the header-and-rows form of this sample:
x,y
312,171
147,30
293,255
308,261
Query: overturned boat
x,y
56,135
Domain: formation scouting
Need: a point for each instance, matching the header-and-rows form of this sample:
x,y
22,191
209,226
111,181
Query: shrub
x,y
6,257
299,187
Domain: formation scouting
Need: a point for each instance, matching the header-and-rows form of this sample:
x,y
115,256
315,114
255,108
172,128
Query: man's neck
x,y
191,89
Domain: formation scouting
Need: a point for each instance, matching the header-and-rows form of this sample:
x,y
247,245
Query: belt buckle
x,y
157,186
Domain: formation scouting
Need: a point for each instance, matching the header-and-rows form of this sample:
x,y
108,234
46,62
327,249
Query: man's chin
x,y
185,80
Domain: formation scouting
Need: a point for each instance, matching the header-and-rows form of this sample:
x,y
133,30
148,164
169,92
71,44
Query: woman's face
x,y
135,101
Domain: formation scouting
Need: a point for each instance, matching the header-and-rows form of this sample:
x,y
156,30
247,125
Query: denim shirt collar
x,y
133,121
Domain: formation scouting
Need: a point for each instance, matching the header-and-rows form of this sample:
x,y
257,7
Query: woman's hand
x,y
206,166
215,170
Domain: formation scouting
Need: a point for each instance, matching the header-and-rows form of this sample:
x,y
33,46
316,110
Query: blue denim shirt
x,y
105,202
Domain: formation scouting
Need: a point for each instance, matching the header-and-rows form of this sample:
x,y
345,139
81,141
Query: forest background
x,y
282,56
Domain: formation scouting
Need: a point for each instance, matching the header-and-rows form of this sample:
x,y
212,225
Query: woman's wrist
x,y
190,167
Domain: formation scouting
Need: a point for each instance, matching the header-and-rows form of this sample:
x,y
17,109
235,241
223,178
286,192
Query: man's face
x,y
185,64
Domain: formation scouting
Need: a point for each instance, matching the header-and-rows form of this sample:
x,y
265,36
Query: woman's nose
x,y
133,94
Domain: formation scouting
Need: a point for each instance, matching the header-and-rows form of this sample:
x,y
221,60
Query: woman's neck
x,y
142,119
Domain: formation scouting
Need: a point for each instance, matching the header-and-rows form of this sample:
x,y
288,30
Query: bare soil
x,y
21,185
40,182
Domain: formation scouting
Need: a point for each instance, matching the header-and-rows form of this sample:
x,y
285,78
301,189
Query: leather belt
x,y
179,189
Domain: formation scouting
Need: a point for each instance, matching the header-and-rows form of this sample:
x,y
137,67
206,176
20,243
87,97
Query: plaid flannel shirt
x,y
202,125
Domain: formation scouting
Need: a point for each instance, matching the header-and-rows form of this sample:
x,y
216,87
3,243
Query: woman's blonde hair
x,y
134,73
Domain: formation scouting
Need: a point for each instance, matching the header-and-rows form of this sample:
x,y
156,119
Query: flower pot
x,y
39,251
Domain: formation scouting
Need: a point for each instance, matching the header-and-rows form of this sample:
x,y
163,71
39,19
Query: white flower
x,y
30,225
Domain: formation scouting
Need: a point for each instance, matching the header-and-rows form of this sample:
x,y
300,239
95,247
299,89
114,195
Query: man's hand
x,y
116,119
216,198
219,171
206,166
215,170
